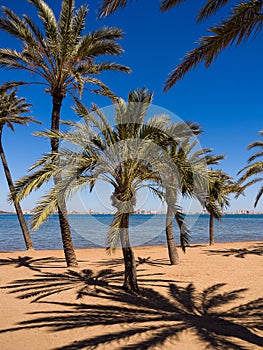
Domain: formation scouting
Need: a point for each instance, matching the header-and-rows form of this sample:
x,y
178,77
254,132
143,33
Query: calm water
x,y
90,230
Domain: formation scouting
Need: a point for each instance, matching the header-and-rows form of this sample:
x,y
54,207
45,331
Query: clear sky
x,y
225,99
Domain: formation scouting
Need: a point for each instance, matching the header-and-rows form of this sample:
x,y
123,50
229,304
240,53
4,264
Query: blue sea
x,y
91,230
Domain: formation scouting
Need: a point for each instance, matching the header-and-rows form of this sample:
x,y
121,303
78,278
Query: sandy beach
x,y
210,300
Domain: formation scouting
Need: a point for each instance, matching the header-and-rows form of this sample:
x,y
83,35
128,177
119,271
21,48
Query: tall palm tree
x,y
220,185
244,20
64,59
11,108
253,170
126,155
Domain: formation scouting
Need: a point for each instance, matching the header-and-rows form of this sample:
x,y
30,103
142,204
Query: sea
x,y
144,230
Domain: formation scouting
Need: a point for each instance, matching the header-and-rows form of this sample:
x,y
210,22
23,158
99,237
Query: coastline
x,y
138,248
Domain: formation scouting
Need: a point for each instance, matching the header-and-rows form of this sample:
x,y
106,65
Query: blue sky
x,y
225,99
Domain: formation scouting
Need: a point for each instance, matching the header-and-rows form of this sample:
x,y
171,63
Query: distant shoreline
x,y
136,213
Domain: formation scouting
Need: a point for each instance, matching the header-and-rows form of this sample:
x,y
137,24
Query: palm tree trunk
x,y
130,275
211,230
68,247
172,250
20,215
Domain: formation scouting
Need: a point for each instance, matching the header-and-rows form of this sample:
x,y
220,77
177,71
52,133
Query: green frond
x,y
104,89
38,35
46,158
44,209
65,18
48,18
32,182
114,231
78,22
16,26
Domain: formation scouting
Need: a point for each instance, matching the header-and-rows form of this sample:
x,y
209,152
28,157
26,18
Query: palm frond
x,y
48,18
45,206
260,192
210,8
244,20
110,6
168,4
184,231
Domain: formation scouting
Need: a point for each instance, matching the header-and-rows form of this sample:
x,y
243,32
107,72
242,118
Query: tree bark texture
x,y
172,250
19,212
68,247
130,276
211,230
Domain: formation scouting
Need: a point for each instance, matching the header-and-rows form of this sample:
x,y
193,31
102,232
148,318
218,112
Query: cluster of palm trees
x,y
135,152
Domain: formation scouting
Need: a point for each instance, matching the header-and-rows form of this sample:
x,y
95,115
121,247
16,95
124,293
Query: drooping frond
x,y
210,8
246,19
168,4
110,6
184,230
45,206
253,171
260,192
32,182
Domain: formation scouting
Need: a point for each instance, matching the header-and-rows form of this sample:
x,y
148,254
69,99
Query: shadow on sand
x,y
34,264
84,282
238,253
150,319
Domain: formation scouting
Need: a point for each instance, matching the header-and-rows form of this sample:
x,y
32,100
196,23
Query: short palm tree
x,y
63,59
253,170
11,108
244,21
220,185
125,156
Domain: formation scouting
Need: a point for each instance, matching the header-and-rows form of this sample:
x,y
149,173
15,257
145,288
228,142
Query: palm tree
x,y
244,20
10,113
125,156
253,170
64,59
220,185
192,179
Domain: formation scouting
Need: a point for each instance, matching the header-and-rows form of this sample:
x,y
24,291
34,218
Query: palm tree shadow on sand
x,y
158,318
84,282
139,261
238,253
34,264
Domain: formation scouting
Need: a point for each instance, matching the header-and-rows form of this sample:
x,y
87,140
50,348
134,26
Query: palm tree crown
x,y
61,56
64,59
129,156
11,108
